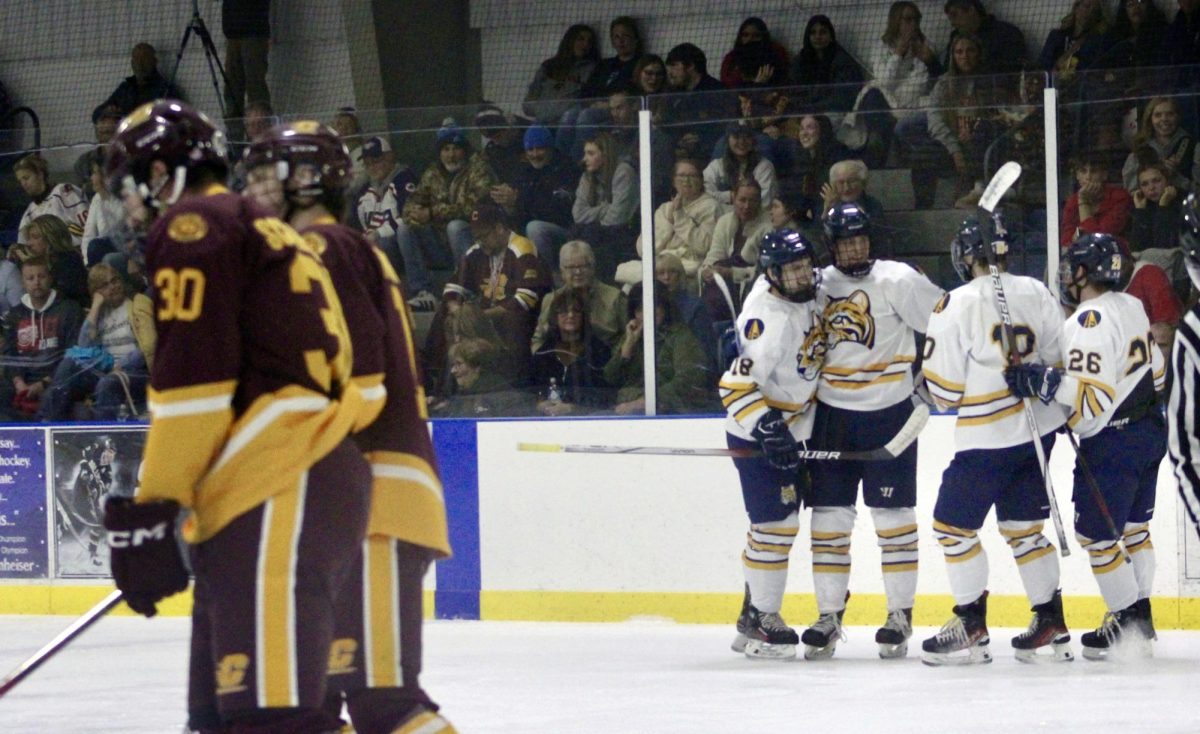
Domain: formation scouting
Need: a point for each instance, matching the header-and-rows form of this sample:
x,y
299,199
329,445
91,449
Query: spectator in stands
x,y
741,160
785,213
146,84
1183,35
540,197
63,200
381,203
683,226
650,75
1003,43
580,121
848,183
958,126
346,124
247,28
755,58
37,332
105,231
1079,41
623,105
605,303
1148,283
1097,206
829,74
904,66
105,125
568,369
260,118
734,252
681,367
691,310
1137,37
1154,229
1161,138
696,117
114,355
482,391
47,237
451,187
559,79
817,149
501,135
606,205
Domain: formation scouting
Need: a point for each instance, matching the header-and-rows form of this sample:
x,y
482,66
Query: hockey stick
x,y
996,188
59,642
892,449
1098,497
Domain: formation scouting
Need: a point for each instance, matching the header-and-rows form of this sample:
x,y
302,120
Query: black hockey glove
x,y
776,441
145,559
1033,380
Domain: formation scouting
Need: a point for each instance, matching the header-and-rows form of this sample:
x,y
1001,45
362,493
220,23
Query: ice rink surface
x,y
128,675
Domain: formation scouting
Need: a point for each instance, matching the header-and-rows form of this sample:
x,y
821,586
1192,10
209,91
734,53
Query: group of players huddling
x,y
828,360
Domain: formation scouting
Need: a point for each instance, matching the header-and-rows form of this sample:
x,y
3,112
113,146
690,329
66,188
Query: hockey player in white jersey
x,y
1110,383
768,395
872,311
1184,428
995,462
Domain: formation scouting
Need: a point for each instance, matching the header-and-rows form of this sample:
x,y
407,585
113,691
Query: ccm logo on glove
x,y
138,536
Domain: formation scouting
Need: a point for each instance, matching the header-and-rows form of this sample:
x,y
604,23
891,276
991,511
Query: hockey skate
x,y
1046,629
893,636
821,639
769,637
1124,634
743,624
963,640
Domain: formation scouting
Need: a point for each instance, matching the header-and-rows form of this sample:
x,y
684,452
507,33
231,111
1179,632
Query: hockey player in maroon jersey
x,y
251,403
303,170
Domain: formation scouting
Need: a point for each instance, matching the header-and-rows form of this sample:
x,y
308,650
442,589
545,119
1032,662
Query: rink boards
x,y
579,537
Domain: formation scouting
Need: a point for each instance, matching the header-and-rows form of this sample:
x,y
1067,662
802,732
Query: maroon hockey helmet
x,y
167,130
304,142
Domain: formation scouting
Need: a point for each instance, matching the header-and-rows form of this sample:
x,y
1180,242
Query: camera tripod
x,y
216,71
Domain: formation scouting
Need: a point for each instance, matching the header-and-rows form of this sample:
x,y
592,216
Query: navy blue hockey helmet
x,y
1099,255
780,247
969,243
843,221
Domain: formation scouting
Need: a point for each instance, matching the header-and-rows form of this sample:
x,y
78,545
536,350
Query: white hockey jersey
x,y
1107,350
64,201
870,325
780,349
965,358
1183,421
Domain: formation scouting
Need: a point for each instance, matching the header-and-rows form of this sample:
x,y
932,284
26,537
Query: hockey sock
x,y
966,561
1118,584
896,530
831,528
1141,550
766,561
1034,554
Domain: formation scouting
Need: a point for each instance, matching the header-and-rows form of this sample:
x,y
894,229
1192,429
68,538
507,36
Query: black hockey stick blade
x,y
51,648
892,449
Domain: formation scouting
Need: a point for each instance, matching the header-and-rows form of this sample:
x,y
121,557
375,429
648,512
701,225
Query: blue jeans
x,y
548,237
74,382
417,250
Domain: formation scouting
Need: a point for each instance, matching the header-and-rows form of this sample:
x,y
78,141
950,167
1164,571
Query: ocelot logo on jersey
x,y
231,673
787,494
341,656
812,353
849,320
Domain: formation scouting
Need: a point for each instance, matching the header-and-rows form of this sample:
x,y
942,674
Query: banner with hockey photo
x,y
87,464
24,547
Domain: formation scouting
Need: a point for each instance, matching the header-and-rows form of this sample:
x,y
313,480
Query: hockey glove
x,y
1033,380
145,559
775,439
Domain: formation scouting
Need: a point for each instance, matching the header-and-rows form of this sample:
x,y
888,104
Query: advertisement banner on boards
x,y
24,551
87,464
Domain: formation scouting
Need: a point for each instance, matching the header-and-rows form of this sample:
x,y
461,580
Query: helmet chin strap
x,y
150,192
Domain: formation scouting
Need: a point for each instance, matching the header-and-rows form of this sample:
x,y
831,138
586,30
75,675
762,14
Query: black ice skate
x,y
1046,629
1126,633
963,640
743,624
769,637
821,639
893,636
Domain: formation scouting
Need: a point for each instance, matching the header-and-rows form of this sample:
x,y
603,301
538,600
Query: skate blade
x,y
759,650
974,656
739,643
892,652
1055,652
1124,651
819,653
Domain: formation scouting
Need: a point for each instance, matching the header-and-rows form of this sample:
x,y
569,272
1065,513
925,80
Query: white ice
x,y
128,675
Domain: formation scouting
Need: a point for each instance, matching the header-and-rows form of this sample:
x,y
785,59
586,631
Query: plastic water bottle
x,y
554,395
